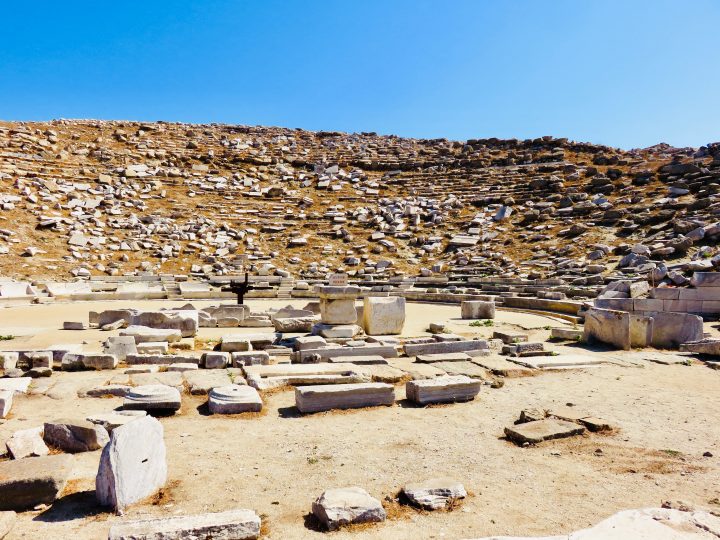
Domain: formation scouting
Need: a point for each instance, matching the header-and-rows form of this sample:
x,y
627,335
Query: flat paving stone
x,y
565,361
503,368
385,373
469,369
423,371
442,357
370,359
168,378
202,381
542,430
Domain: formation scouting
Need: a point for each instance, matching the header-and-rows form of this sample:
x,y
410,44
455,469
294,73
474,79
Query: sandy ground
x,y
279,461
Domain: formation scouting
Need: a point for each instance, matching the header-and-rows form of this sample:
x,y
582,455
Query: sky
x,y
625,73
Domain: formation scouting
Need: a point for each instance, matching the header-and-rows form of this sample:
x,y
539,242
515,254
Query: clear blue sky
x,y
626,73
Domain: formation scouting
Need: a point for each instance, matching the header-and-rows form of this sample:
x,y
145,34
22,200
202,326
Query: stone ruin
x,y
621,244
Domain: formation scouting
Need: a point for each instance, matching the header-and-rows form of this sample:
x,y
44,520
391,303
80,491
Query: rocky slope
x,y
81,198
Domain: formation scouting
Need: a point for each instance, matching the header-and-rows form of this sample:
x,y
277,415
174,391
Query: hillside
x,y
85,197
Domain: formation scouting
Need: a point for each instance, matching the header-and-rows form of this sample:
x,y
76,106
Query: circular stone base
x,y
151,397
233,399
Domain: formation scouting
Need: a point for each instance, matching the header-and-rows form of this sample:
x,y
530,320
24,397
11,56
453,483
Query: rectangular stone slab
x,y
369,359
161,359
345,396
468,369
280,370
542,430
442,390
386,351
445,347
562,361
18,385
236,524
503,368
423,371
266,383
442,357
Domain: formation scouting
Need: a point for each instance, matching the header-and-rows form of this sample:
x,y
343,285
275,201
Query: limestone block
x,y
362,360
75,435
446,389
325,353
120,346
6,399
608,326
289,325
435,493
152,397
706,279
338,311
670,330
443,357
132,465
26,483
40,359
250,358
542,430
216,360
344,506
477,309
161,359
647,523
337,331
308,342
184,321
570,334
27,442
18,385
705,346
232,524
468,346
182,366
143,334
73,325
383,315
234,399
202,381
152,347
8,360
343,396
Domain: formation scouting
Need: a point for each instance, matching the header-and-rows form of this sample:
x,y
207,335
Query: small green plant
x,y
673,453
7,337
486,322
312,460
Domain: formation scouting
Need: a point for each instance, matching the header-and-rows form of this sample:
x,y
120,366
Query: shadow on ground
x,y
73,506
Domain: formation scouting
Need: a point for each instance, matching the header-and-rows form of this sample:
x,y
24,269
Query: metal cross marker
x,y
242,287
